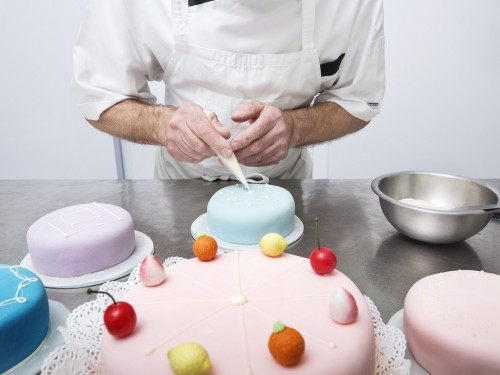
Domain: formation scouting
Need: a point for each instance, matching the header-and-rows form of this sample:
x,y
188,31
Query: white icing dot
x,y
149,351
238,299
332,345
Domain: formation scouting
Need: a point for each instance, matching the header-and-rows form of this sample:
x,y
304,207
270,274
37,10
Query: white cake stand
x,y
143,247
31,365
201,225
397,321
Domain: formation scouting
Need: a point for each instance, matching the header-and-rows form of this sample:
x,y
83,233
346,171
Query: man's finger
x,y
247,111
254,132
211,136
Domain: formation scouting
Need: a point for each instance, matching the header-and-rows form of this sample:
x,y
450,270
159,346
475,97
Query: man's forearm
x,y
135,121
321,123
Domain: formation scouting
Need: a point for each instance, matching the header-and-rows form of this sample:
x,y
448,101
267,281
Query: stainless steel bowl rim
x,y
376,189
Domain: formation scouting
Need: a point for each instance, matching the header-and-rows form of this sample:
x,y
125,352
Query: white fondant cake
x,y
451,323
238,216
24,315
81,239
229,306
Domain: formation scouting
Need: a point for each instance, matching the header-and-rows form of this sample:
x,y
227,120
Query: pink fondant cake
x,y
229,306
81,239
451,323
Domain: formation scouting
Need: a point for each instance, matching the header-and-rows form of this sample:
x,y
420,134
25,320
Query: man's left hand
x,y
267,140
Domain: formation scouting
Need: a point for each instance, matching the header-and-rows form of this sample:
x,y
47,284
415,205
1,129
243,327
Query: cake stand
x,y
397,321
143,247
201,225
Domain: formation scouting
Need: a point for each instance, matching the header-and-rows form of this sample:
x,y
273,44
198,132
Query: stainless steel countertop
x,y
383,263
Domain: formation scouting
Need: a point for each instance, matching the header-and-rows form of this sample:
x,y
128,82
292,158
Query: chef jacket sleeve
x,y
109,62
360,83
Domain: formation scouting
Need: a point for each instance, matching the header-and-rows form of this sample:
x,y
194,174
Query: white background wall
x,y
440,111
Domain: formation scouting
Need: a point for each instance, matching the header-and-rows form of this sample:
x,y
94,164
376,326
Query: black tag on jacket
x,y
197,2
332,67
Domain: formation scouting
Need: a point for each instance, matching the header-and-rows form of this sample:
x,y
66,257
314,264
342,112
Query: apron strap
x,y
253,178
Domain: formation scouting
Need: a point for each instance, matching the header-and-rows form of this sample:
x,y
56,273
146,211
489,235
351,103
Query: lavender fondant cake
x,y
81,239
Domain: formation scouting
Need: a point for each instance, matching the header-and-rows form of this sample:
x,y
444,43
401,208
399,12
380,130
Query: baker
x,y
278,75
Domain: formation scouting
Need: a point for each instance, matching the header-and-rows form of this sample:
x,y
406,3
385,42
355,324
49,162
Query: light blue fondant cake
x,y
24,315
238,216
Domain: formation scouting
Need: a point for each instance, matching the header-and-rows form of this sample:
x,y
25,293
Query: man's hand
x,y
267,140
191,137
185,131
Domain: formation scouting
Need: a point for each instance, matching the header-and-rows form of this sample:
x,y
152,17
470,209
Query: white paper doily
x,y
398,322
31,365
201,225
143,247
80,355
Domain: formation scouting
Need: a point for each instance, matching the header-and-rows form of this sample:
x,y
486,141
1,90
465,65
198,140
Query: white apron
x,y
219,81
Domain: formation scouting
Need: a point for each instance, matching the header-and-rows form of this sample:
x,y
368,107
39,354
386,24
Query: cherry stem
x,y
317,230
90,291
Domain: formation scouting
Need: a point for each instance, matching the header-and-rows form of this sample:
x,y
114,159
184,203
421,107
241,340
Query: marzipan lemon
x,y
189,358
272,244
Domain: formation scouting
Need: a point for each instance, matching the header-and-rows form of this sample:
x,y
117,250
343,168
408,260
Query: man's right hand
x,y
185,131
191,137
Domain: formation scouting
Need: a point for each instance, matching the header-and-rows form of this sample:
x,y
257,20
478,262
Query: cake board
x,y
143,247
58,314
397,321
201,225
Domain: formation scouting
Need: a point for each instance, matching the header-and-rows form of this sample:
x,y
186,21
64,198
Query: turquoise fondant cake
x,y
24,315
238,216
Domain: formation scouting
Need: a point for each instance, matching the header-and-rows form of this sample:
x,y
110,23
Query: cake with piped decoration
x,y
240,216
81,239
24,315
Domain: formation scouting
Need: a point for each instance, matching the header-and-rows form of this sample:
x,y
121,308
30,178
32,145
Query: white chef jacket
x,y
122,45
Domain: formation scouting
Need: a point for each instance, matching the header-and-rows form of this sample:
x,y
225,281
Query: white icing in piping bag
x,y
231,162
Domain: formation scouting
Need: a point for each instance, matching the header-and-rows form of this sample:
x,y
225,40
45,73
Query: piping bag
x,y
231,162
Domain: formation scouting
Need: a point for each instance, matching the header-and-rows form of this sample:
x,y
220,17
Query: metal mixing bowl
x,y
434,223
